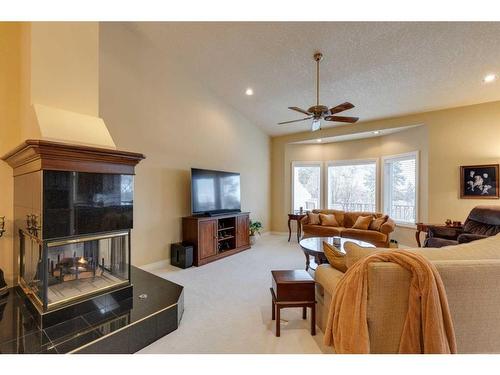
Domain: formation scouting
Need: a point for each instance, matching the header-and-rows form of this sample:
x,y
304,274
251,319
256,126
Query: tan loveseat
x,y
470,273
346,220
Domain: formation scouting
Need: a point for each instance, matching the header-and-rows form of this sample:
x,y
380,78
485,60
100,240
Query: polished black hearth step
x,y
114,326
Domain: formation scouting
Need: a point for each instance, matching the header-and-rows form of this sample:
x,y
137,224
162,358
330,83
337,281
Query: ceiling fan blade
x,y
300,110
289,122
341,107
315,125
342,119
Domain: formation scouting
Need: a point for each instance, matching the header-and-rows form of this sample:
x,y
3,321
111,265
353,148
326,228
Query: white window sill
x,y
406,225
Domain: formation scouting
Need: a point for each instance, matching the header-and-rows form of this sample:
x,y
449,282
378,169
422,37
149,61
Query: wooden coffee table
x,y
293,288
313,246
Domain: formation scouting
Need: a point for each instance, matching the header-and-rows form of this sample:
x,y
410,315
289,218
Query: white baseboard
x,y
279,233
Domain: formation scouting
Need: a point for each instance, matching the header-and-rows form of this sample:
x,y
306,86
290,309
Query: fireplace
x,y
56,272
73,208
77,291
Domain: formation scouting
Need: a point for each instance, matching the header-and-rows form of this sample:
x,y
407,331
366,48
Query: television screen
x,y
214,191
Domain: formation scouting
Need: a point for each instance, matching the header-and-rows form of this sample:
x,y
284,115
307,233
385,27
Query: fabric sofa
x,y
346,220
470,273
482,222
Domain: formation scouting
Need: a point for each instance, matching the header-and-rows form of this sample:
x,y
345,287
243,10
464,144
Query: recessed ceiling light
x,y
376,132
489,78
318,140
249,92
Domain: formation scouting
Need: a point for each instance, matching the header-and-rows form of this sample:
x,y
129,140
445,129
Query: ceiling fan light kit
x,y
320,112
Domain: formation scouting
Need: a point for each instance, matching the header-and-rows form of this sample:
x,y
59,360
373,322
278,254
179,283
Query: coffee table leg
x,y
313,319
278,321
273,313
289,230
304,313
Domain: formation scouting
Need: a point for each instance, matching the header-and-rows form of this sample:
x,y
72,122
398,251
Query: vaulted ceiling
x,y
385,69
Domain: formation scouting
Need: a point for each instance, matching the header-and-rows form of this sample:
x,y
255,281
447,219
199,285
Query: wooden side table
x,y
421,227
293,288
297,217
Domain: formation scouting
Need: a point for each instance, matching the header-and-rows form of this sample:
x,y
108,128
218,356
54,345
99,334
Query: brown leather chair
x,y
482,222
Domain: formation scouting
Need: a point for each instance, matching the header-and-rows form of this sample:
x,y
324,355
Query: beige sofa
x,y
346,220
471,275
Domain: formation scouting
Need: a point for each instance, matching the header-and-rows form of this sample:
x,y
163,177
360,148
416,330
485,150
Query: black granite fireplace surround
x,y
115,327
77,290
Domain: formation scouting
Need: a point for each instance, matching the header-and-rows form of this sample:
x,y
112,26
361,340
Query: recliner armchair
x,y
482,222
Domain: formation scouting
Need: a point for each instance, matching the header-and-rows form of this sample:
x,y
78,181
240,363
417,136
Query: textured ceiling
x,y
384,69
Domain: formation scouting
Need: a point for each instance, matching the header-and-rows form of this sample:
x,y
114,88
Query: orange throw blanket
x,y
428,327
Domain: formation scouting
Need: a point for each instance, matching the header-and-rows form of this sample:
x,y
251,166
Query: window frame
x,y
346,162
384,189
295,164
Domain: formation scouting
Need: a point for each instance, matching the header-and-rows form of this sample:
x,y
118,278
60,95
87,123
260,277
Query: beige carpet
x,y
228,305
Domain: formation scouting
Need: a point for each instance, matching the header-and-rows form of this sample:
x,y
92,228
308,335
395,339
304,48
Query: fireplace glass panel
x,y
61,271
77,203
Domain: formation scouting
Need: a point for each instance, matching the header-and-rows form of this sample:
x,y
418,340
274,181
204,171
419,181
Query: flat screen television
x,y
214,192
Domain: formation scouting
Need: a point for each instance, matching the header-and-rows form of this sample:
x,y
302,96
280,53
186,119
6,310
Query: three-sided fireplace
x,y
73,208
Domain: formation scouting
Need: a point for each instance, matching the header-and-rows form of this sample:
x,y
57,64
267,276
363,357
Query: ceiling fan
x,y
320,112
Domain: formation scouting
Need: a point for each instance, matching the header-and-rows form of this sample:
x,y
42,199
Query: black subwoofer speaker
x,y
181,255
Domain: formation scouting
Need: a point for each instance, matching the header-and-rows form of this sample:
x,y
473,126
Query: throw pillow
x,y
362,222
354,252
329,220
378,222
313,218
336,258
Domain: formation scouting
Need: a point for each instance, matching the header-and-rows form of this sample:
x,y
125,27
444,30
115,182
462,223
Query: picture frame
x,y
479,181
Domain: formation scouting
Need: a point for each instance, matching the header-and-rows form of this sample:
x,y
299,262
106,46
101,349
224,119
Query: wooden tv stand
x,y
216,237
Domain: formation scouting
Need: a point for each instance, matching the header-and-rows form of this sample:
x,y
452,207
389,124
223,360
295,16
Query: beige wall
x,y
63,75
459,136
65,65
152,106
50,63
10,62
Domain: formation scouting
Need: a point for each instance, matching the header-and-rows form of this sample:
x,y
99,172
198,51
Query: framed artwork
x,y
479,182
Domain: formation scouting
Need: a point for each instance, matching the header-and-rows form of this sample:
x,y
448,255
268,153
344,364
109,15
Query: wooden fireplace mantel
x,y
34,155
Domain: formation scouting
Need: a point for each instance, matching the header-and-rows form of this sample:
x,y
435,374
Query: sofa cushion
x,y
351,217
354,252
321,231
488,248
313,218
335,257
371,236
363,222
328,277
339,215
328,220
378,222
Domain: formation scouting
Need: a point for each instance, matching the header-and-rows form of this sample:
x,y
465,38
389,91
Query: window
x,y
306,189
352,185
400,192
